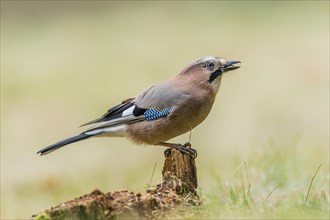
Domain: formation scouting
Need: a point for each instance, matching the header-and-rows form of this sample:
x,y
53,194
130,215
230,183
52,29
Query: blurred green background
x,y
65,63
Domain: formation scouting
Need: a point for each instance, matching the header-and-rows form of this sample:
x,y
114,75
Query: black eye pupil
x,y
210,65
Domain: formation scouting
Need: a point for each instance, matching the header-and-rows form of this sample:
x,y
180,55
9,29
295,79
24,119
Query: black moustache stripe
x,y
215,74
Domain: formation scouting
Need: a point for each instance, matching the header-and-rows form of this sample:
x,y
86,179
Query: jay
x,y
163,111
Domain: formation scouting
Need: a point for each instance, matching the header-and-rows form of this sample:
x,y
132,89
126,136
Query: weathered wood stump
x,y
178,187
183,168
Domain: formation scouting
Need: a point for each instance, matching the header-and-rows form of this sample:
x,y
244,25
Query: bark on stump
x,y
178,186
183,168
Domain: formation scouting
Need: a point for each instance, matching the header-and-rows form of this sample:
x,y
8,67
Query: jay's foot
x,y
184,149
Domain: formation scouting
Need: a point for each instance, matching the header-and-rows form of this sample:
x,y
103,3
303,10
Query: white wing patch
x,y
128,111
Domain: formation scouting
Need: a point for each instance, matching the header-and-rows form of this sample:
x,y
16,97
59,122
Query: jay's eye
x,y
210,65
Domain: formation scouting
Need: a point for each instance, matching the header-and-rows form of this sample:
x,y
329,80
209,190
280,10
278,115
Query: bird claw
x,y
189,150
184,149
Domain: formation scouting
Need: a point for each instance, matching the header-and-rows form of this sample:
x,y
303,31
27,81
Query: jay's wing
x,y
114,112
155,102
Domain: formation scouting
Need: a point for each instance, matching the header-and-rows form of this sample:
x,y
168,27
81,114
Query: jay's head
x,y
207,71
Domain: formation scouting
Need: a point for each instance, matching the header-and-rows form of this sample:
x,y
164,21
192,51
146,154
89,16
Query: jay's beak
x,y
229,66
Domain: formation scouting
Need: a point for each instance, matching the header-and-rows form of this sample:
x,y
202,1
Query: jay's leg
x,y
185,149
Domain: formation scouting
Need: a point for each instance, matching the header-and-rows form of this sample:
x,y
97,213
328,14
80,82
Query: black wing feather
x,y
114,112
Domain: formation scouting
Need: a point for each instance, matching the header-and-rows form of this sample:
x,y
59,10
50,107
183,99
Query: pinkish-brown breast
x,y
190,111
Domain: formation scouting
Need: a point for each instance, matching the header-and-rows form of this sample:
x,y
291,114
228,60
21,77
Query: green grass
x,y
297,190
238,201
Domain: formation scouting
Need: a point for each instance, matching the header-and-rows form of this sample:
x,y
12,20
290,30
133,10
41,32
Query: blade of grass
x,y
249,184
227,180
245,202
310,185
270,193
152,175
247,175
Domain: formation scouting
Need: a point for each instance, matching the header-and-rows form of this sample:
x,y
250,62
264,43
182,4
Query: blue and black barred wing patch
x,y
153,114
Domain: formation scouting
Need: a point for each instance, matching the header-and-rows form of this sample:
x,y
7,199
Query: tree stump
x,y
178,187
181,166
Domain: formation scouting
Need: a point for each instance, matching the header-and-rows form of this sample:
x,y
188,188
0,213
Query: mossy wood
x,y
179,183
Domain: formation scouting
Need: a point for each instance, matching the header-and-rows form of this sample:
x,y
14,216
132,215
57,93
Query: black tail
x,y
62,143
